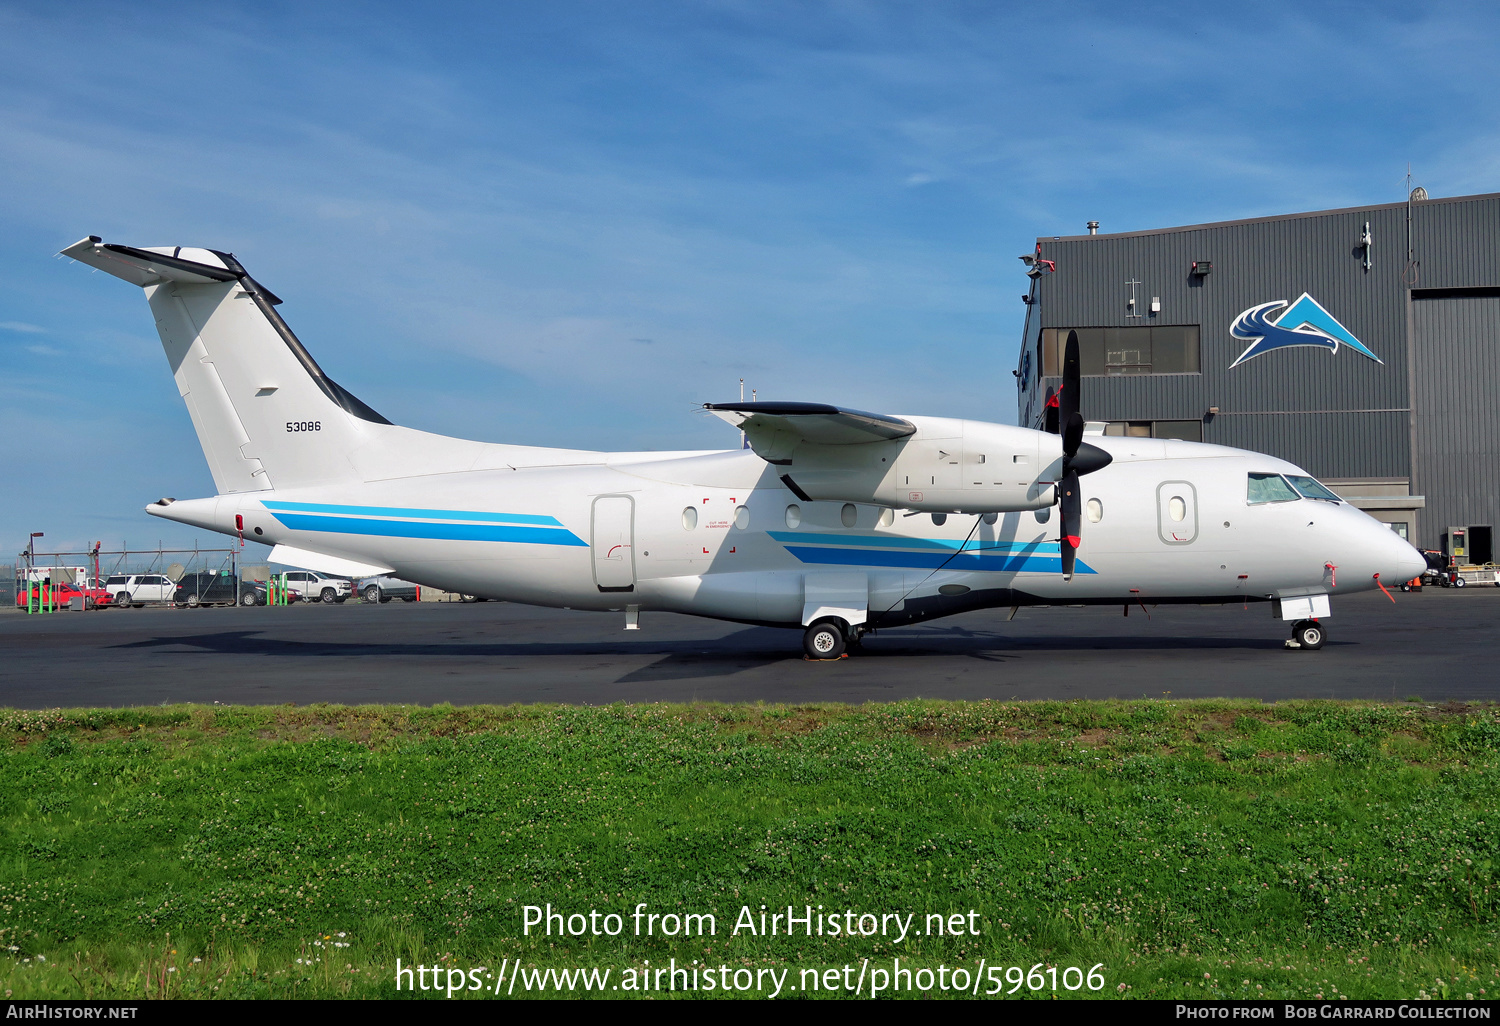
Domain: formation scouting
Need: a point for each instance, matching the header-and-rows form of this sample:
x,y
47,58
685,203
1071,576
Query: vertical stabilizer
x,y
266,414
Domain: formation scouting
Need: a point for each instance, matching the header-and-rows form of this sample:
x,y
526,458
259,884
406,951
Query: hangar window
x,y
1111,352
1186,430
1269,488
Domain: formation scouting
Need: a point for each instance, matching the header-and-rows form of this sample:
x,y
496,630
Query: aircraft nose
x,y
1410,561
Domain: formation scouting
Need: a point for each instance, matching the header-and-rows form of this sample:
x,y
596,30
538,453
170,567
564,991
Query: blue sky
x,y
569,223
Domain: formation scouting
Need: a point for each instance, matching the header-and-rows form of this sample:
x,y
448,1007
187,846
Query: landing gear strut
x,y
1307,634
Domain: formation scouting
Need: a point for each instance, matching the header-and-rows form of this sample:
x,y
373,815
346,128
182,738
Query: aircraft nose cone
x,y
1410,561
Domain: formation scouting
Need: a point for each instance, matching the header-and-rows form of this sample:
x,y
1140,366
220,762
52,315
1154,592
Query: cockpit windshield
x,y
1269,488
1312,489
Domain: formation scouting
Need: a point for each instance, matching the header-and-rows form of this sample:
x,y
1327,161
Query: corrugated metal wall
x,y
1456,345
1355,422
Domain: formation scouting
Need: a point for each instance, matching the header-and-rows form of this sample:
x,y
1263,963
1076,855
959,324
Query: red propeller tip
x,y
1074,540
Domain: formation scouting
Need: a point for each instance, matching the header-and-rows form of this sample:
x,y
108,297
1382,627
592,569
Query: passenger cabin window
x,y
1311,489
1109,352
1269,488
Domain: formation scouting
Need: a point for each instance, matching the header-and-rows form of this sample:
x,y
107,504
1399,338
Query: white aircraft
x,y
832,521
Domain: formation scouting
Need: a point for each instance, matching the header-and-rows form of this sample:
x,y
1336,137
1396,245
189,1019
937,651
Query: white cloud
x,y
25,329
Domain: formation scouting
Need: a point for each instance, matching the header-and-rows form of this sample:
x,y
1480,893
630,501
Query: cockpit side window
x,y
1312,489
1269,488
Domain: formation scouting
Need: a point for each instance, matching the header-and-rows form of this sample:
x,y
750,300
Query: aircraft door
x,y
613,543
1177,512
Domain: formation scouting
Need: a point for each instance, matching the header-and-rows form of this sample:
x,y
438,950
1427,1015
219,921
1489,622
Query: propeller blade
x,y
1049,413
1071,508
1068,397
1072,435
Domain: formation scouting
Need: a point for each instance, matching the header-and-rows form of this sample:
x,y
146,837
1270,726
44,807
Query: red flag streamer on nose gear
x,y
1382,588
1333,575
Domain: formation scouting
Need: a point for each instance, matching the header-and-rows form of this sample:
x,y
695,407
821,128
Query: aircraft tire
x,y
824,640
1309,634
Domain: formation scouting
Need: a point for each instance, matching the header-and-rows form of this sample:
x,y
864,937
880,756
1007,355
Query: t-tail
x,y
266,414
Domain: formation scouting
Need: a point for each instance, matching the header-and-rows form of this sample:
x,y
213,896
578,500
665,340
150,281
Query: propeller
x,y
1079,457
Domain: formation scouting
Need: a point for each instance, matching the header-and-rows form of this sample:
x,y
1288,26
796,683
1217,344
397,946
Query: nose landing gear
x,y
1307,634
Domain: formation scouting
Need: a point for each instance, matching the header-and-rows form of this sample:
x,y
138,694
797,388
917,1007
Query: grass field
x,y
1209,849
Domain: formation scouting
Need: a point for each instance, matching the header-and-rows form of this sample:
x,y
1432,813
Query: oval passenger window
x,y
887,517
1176,508
1096,511
849,515
690,518
741,517
793,515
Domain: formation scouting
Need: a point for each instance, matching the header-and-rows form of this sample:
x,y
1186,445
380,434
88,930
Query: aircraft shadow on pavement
x,y
746,649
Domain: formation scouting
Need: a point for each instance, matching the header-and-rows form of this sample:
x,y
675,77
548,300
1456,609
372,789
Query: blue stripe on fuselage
x,y
416,529
401,511
1019,562
886,541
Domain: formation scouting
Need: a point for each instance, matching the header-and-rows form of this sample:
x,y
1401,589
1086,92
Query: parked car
x,y
60,595
311,586
217,589
384,588
138,589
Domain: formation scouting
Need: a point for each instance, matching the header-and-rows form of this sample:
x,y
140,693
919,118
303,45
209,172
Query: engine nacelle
x,y
946,466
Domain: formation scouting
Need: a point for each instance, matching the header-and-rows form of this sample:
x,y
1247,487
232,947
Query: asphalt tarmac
x,y
1438,645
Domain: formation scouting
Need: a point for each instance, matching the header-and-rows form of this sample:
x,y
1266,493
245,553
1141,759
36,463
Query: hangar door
x,y
614,537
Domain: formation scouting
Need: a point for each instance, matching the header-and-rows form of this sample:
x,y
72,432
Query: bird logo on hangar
x,y
1303,323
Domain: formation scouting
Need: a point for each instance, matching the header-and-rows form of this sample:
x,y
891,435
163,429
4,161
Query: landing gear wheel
x,y
1309,634
1407,587
824,640
372,594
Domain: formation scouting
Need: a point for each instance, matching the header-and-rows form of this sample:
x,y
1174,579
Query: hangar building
x,y
1362,344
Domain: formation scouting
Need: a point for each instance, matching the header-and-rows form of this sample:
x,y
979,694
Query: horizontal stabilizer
x,y
775,429
336,565
156,264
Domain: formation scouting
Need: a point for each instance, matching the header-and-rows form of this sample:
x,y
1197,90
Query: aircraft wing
x,y
774,430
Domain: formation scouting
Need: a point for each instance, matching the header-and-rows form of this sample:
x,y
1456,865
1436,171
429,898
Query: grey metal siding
x,y
1455,243
1457,396
1336,414
1326,445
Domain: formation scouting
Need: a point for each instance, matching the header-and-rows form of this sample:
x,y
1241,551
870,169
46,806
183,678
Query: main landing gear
x,y
1307,634
831,639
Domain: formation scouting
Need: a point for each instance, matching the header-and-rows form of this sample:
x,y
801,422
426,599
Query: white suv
x,y
310,586
138,589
